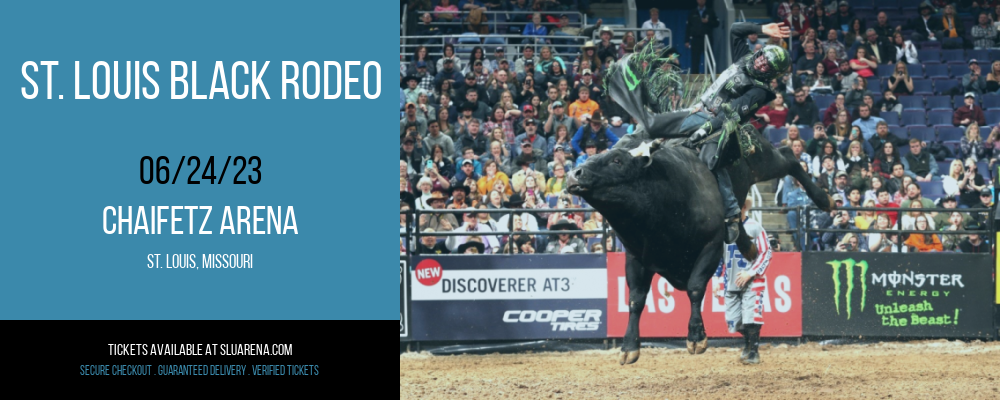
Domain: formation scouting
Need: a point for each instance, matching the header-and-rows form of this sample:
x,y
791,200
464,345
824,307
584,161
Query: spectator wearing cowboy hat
x,y
566,243
589,50
438,222
459,198
605,48
430,245
528,164
472,247
595,130
411,89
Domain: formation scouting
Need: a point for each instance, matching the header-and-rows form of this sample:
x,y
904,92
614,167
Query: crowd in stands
x,y
886,110
886,106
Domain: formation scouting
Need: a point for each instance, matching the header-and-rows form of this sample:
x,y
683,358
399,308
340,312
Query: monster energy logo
x,y
849,266
630,78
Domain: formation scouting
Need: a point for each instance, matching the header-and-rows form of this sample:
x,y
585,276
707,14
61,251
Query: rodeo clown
x,y
723,109
743,285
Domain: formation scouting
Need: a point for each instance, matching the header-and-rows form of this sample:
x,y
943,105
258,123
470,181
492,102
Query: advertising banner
x,y
898,295
404,301
668,310
508,297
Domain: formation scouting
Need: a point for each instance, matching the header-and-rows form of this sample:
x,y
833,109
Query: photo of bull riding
x,y
746,183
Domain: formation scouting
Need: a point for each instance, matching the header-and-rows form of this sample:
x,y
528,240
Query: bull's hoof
x,y
697,347
629,357
701,347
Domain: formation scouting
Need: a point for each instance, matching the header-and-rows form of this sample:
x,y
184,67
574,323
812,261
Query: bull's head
x,y
611,178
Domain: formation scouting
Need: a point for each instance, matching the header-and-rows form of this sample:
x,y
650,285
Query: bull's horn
x,y
657,143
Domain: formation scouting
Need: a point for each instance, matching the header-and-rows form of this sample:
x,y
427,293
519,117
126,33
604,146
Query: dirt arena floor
x,y
916,370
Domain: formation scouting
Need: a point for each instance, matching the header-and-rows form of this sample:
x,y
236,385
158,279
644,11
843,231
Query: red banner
x,y
666,316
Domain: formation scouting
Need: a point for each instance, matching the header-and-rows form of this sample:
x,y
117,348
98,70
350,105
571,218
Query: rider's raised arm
x,y
738,33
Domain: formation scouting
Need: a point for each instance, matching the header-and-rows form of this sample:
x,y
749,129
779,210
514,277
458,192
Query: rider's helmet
x,y
768,63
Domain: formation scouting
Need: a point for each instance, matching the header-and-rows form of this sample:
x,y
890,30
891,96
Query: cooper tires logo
x,y
561,320
849,267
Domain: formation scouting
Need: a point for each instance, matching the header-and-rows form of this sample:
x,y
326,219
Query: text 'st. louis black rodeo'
x,y
659,195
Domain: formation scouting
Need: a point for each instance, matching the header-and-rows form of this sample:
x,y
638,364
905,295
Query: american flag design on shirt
x,y
733,263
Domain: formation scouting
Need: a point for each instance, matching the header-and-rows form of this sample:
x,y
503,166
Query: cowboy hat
x,y
460,188
407,79
564,225
515,201
438,194
467,245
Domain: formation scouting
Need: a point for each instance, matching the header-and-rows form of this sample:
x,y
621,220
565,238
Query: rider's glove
x,y
698,135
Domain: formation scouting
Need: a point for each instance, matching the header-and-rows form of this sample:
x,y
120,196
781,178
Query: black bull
x,y
668,212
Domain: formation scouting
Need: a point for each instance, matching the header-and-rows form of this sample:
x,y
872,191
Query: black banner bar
x,y
926,295
102,352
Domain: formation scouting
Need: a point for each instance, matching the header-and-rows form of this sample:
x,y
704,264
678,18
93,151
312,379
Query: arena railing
x,y
493,22
413,235
638,33
807,229
407,46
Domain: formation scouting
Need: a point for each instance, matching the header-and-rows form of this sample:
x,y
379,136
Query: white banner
x,y
521,284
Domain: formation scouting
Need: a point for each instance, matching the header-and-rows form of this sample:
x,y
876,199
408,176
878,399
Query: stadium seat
x,y
926,55
937,71
899,131
912,102
876,96
950,133
553,200
903,151
493,40
921,132
978,55
994,54
945,86
922,87
939,117
950,55
991,101
806,134
939,103
915,70
931,190
891,118
943,167
777,135
992,117
874,85
959,68
823,101
886,69
913,118
469,38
